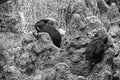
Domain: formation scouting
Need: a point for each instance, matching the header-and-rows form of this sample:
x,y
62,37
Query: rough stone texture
x,y
22,57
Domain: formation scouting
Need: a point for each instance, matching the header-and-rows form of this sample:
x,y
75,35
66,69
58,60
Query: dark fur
x,y
45,25
2,1
95,49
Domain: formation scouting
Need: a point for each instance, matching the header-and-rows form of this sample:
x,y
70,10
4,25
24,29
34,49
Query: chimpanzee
x,y
115,78
46,25
95,49
2,1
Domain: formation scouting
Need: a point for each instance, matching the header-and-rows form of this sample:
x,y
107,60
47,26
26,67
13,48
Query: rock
x,y
11,72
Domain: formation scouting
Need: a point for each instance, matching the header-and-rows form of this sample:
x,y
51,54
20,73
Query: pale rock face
x,y
38,77
113,30
23,22
22,18
62,32
93,19
50,18
76,16
53,19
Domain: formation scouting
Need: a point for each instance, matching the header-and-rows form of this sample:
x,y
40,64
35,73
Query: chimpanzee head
x,y
47,21
43,22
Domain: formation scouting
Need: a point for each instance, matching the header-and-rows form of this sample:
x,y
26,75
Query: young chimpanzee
x,y
46,25
95,49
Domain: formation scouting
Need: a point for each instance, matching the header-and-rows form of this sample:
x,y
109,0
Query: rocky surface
x,y
22,57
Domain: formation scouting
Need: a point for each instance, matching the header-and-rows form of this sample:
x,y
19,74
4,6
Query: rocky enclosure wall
x,y
22,57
